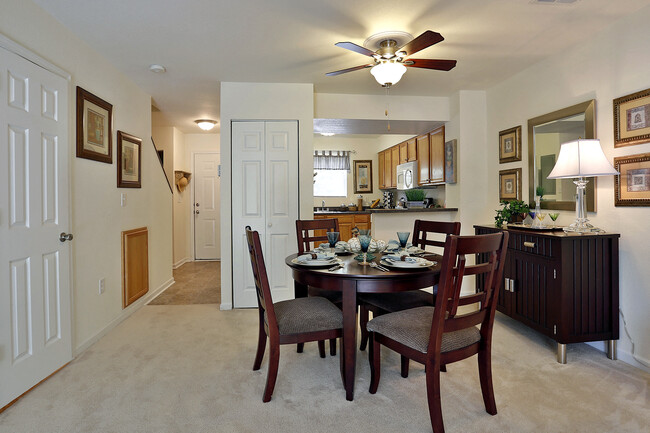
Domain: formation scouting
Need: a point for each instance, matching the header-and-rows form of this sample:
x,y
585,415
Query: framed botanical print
x,y
632,119
362,177
128,161
510,184
94,127
510,145
632,186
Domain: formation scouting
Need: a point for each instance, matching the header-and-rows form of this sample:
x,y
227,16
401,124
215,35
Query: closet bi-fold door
x,y
264,196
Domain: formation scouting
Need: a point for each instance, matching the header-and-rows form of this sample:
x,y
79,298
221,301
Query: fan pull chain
x,y
387,106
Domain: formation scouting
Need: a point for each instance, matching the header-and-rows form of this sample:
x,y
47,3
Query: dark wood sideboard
x,y
562,285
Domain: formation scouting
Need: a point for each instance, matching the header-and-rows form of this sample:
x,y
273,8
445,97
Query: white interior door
x,y
207,219
264,196
35,335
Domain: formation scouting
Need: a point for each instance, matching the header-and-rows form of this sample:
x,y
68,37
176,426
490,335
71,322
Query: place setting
x,y
403,255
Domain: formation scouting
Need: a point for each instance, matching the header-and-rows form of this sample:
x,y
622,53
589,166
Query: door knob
x,y
65,237
196,204
270,224
196,211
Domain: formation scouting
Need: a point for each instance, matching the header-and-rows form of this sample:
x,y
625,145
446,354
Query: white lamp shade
x,y
388,72
206,124
581,158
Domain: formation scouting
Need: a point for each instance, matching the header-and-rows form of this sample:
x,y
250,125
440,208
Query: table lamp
x,y
580,159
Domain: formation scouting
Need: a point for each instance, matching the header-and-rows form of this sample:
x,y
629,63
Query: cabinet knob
x,y
529,244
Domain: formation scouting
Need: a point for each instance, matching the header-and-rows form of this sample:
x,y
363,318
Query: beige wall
x,y
612,64
182,203
97,217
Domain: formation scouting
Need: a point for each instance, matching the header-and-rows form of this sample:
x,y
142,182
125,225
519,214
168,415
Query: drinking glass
x,y
332,238
554,216
540,216
403,238
364,232
364,242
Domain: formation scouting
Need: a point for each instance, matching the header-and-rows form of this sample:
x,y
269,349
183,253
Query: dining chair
x,y
308,239
287,322
444,334
425,234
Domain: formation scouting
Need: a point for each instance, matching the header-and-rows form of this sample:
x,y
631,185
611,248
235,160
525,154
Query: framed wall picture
x,y
632,119
632,186
94,127
510,145
450,161
362,177
128,161
510,184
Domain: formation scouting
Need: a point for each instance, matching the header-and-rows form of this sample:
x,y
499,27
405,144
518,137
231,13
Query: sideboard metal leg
x,y
611,350
561,353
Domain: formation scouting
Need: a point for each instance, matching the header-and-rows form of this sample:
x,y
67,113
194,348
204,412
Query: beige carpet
x,y
195,283
188,369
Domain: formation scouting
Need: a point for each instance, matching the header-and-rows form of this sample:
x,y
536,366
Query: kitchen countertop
x,y
384,211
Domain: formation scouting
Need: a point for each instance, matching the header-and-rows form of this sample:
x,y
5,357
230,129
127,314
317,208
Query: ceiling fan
x,y
390,62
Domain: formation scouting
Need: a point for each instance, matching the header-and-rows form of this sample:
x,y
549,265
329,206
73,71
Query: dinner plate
x,y
419,263
316,262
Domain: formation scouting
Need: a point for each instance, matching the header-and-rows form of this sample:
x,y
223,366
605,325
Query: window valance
x,y
332,160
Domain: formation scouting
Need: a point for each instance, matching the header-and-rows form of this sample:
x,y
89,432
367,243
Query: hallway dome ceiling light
x,y
206,124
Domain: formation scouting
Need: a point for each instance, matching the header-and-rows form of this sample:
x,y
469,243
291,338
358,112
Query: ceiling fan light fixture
x,y
206,124
388,73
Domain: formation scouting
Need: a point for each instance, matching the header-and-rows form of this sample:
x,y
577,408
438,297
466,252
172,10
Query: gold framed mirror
x,y
545,135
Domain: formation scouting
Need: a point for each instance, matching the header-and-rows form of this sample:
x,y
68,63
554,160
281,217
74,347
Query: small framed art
x,y
510,145
94,127
128,161
510,184
362,177
632,119
632,186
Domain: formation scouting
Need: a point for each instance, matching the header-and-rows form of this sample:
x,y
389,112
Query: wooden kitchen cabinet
x,y
422,144
346,223
394,158
562,285
437,156
411,150
381,156
388,164
403,153
431,157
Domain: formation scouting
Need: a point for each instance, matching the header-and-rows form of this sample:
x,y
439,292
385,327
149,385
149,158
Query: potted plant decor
x,y
511,211
415,197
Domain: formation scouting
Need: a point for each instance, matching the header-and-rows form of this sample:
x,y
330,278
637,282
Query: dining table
x,y
352,278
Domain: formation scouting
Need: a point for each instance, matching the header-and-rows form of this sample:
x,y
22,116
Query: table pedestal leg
x,y
349,336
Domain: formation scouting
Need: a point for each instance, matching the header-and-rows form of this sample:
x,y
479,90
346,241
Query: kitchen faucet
x,y
322,205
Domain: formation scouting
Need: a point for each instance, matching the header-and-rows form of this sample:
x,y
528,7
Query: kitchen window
x,y
331,169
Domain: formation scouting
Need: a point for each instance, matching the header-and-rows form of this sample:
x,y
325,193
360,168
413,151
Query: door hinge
x,y
554,274
219,171
554,329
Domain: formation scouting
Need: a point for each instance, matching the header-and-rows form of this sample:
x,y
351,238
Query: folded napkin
x,y
309,257
396,258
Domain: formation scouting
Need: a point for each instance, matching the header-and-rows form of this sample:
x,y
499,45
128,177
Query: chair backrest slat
x,y
264,299
422,230
491,250
305,232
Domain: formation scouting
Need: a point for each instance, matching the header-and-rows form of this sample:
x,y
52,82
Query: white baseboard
x,y
122,316
622,355
227,306
181,262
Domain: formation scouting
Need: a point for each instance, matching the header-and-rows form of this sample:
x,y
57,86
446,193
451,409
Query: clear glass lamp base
x,y
582,226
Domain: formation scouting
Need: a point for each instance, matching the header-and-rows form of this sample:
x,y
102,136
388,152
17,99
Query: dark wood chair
x,y
287,322
308,239
425,234
440,335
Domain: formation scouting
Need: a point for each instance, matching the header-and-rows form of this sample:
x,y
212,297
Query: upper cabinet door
x,y
388,164
423,159
381,156
411,150
403,153
437,156
394,155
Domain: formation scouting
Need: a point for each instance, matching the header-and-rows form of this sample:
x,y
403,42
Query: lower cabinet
x,y
346,223
562,285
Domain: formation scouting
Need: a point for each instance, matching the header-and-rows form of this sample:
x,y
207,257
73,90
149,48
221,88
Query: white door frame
x,y
192,184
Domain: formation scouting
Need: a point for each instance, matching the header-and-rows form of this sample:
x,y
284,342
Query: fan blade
x,y
440,65
423,41
343,71
356,48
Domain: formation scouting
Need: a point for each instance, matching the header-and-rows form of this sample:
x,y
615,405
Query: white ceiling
x,y
205,42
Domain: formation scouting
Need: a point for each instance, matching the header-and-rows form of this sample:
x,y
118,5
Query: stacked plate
x,y
393,261
319,260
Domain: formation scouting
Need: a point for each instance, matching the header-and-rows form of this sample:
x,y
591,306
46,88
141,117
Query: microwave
x,y
407,175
